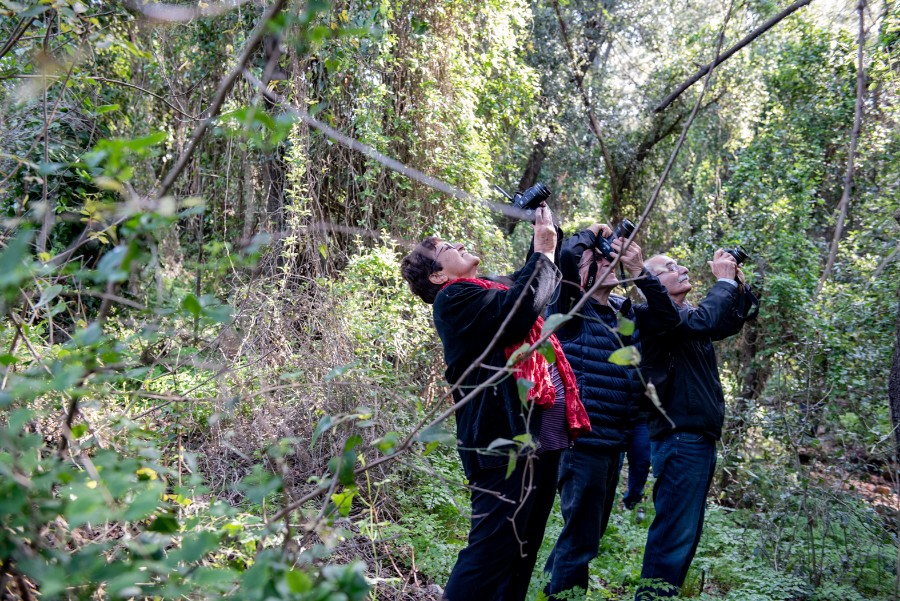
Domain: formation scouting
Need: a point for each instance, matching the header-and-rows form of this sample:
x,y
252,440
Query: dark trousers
x,y
684,464
638,464
508,519
587,493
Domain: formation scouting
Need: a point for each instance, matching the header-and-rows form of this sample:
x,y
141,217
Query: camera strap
x,y
592,275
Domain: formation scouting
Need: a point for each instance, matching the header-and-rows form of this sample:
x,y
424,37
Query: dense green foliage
x,y
225,390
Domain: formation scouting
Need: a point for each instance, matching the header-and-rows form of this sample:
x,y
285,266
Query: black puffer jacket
x,y
467,318
612,394
685,361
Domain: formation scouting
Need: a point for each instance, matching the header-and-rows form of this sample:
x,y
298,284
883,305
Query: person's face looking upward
x,y
454,262
591,256
671,275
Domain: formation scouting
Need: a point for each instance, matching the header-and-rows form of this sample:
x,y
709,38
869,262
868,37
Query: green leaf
x,y
626,326
526,440
437,434
324,423
78,430
552,323
353,442
297,581
144,502
628,355
164,524
12,269
218,313
48,294
87,506
524,385
343,500
517,355
196,545
88,335
342,466
548,352
191,304
113,266
18,418
339,371
388,443
259,484
511,465
106,108
499,442
145,141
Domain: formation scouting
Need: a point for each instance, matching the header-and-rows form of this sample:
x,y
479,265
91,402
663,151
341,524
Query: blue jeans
x,y
638,464
684,464
587,493
508,519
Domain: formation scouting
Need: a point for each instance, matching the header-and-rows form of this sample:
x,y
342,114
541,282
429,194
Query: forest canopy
x,y
214,382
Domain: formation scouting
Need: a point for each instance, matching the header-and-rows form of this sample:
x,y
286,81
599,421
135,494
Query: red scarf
x,y
535,369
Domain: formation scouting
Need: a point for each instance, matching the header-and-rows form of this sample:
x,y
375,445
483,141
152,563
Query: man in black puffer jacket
x,y
611,393
683,440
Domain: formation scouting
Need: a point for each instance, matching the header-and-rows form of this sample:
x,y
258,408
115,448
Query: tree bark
x,y
894,380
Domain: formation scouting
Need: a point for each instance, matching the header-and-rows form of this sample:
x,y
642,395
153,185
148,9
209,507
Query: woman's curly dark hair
x,y
418,265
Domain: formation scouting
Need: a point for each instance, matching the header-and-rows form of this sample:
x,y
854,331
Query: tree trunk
x,y
894,384
894,380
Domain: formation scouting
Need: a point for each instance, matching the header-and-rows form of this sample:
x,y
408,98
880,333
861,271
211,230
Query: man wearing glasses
x,y
682,365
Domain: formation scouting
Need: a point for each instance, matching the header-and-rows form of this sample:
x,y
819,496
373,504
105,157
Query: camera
x,y
604,245
531,199
528,200
739,253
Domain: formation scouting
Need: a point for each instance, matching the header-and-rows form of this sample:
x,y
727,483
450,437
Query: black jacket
x,y
683,361
467,318
612,394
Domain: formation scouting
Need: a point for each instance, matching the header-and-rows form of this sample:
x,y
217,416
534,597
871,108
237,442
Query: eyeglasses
x,y
434,264
671,267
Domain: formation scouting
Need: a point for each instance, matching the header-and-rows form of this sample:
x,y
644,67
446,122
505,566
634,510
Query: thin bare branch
x,y
17,33
592,118
730,52
222,92
843,206
368,151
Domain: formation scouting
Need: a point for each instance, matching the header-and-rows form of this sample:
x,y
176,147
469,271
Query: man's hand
x,y
600,229
544,232
631,259
723,265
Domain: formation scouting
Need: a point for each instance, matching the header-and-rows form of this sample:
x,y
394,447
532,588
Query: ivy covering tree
x,y
214,382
